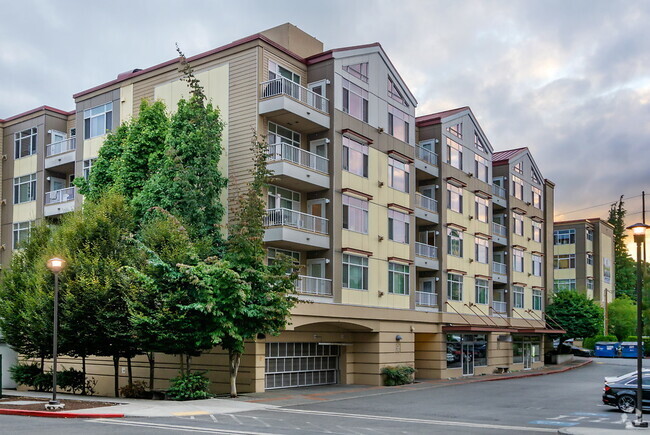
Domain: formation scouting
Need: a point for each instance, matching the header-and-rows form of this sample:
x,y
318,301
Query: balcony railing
x,y
311,285
426,299
60,147
424,250
426,203
427,156
498,191
61,195
284,151
278,217
284,86
499,268
499,307
499,229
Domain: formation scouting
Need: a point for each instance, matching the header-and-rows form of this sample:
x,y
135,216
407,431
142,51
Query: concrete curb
x,y
530,375
54,414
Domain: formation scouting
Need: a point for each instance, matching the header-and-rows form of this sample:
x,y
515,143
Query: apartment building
x,y
401,226
583,258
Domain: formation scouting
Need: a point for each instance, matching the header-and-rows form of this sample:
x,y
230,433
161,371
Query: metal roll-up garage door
x,y
301,364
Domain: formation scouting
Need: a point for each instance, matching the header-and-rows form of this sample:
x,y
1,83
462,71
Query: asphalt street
x,y
541,404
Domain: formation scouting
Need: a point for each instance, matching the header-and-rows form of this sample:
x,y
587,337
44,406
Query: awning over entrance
x,y
475,328
541,331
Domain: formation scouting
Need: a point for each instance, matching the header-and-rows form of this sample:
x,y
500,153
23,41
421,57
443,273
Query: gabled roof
x,y
503,157
39,109
436,118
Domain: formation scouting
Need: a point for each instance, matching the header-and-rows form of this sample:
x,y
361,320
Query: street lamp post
x,y
639,237
55,265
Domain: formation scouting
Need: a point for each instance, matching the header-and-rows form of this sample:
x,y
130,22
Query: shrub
x,y
136,390
590,343
70,379
25,374
190,386
43,382
398,375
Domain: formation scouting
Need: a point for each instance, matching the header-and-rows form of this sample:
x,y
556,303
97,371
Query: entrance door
x,y
528,356
316,207
468,358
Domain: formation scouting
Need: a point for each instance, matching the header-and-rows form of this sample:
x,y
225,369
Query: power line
x,y
599,205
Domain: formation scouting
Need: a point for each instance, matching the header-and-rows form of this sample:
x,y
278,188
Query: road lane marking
x,y
592,414
188,413
178,428
553,423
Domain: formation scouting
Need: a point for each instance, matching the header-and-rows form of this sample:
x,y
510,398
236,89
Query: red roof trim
x,y
356,192
461,272
541,331
401,207
329,53
347,131
401,260
436,118
38,109
478,275
456,182
503,157
357,251
400,156
454,328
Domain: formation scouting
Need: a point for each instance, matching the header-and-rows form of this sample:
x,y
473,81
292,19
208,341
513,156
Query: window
x,y
537,265
98,120
398,278
276,71
273,255
518,224
564,284
398,175
283,198
279,134
518,294
518,260
590,259
454,198
88,165
480,168
456,130
482,208
590,235
482,289
463,348
564,237
478,143
358,70
398,226
355,157
21,233
25,189
517,187
394,93
481,250
534,177
355,272
537,197
454,242
519,168
590,283
398,123
537,231
537,300
567,261
454,154
454,287
25,143
355,214
355,101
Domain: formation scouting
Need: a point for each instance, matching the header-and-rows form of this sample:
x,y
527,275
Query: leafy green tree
x,y
624,269
622,317
578,315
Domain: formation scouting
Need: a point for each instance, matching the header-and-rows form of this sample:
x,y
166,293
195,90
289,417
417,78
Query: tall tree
x,y
622,317
624,269
578,315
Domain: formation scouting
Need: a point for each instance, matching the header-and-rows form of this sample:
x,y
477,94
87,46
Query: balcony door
x,y
57,183
316,207
56,137
316,267
428,191
427,237
316,98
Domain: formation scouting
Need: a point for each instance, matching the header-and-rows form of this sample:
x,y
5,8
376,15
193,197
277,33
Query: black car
x,y
621,392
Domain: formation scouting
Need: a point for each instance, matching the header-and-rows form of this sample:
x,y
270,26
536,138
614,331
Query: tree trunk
x,y
130,370
235,360
116,366
182,364
152,367
42,363
188,360
83,370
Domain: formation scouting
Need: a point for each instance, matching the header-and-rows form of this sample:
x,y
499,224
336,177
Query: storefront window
x,y
468,349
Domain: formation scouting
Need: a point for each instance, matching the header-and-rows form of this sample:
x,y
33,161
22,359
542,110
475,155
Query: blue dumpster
x,y
607,349
629,349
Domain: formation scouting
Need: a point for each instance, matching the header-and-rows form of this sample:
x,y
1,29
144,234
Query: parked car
x,y
620,392
613,379
581,351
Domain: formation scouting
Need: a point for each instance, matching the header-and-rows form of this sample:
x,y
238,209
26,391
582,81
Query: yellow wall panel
x,y
126,103
25,166
92,146
25,212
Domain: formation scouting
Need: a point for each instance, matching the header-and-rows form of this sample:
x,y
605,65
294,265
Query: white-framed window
x,y
398,123
537,265
590,234
534,177
517,223
517,187
456,130
454,154
398,278
355,214
478,143
279,197
519,168
537,300
394,93
565,261
358,70
480,168
482,291
590,259
25,189
537,197
564,237
355,100
481,249
276,71
98,120
454,287
454,242
355,157
454,198
482,208
398,226
517,260
355,272
537,231
21,231
590,283
279,134
25,142
564,284
398,175
273,254
87,167
518,294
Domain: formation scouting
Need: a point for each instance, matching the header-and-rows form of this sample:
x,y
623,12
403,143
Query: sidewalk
x,y
265,400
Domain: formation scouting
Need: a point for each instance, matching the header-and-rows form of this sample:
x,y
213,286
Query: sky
x,y
568,79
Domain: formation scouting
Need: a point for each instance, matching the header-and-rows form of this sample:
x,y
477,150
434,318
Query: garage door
x,y
301,364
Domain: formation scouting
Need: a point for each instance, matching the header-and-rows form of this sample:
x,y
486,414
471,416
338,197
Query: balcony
x,y
499,272
426,256
290,229
298,169
426,299
286,102
60,153
313,286
426,161
499,234
499,195
426,208
499,307
59,201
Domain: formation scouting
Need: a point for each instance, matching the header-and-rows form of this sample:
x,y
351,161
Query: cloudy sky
x,y
568,79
